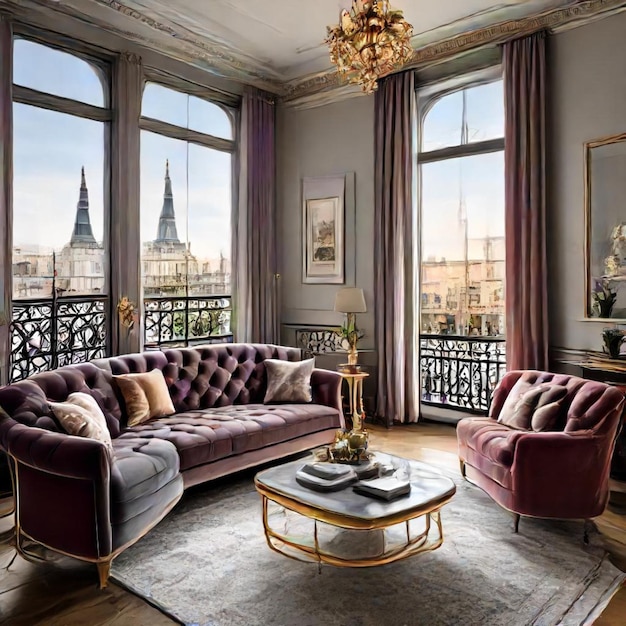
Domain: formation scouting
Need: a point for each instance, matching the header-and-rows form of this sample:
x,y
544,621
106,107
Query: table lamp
x,y
350,301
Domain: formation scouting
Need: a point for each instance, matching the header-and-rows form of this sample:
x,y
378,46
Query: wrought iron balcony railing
x,y
461,372
183,321
47,333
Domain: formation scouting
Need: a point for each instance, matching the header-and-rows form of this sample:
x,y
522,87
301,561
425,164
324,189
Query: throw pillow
x,y
288,381
145,395
537,409
81,415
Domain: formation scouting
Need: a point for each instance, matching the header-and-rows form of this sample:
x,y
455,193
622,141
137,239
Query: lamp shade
x,y
350,300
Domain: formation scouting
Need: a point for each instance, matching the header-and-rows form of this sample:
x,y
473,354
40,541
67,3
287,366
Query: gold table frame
x,y
311,552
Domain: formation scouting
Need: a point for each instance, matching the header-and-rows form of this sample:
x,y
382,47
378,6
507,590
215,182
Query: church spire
x,y
82,226
167,220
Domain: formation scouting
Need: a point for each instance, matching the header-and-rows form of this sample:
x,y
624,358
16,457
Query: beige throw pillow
x,y
81,415
146,396
288,381
538,409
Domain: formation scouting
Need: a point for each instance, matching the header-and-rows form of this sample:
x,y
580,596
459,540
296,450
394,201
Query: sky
x,y
50,148
477,182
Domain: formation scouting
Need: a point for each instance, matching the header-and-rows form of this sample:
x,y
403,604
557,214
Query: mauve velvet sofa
x,y
561,473
78,498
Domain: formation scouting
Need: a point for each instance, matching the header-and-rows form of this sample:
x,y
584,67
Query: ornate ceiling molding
x,y
438,51
220,60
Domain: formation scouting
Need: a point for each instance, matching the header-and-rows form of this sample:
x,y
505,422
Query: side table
x,y
355,396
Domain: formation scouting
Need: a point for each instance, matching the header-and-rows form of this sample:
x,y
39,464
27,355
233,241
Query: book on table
x,y
385,488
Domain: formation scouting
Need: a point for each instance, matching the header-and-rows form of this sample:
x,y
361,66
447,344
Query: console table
x,y
613,372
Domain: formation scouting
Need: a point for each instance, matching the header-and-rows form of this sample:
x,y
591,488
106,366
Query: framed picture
x,y
323,243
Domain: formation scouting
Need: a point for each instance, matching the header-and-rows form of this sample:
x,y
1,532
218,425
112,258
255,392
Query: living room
x,y
325,136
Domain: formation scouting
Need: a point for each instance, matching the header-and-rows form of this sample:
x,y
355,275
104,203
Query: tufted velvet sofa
x,y
78,498
562,473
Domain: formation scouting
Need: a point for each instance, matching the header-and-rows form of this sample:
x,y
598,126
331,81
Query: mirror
x,y
605,221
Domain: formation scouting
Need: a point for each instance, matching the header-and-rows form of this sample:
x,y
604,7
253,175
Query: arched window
x,y
60,126
186,207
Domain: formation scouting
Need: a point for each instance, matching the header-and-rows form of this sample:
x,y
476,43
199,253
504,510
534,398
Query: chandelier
x,y
370,41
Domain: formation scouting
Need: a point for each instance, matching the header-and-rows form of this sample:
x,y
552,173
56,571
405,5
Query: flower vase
x,y
613,340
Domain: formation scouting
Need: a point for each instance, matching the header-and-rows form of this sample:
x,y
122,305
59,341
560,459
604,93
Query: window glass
x,y
58,193
55,72
484,114
174,107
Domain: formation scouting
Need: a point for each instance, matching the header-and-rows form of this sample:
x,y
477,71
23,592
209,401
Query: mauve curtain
x,y
394,257
255,284
525,203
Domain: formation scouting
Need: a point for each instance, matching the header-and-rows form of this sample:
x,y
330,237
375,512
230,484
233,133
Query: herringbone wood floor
x,y
65,593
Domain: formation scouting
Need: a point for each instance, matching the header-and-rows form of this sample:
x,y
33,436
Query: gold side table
x,y
355,396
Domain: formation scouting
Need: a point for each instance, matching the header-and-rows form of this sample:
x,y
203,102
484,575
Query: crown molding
x,y
311,90
304,89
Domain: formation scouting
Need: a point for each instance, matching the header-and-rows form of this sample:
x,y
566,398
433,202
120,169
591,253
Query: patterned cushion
x,y
80,415
288,382
538,408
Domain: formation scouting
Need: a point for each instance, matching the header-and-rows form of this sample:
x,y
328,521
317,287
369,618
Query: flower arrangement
x,y
604,298
613,339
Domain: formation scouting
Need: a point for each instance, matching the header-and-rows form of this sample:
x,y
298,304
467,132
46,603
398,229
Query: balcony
x,y
47,333
460,372
183,321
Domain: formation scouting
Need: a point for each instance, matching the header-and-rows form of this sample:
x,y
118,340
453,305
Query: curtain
x,y
6,194
394,257
255,281
525,203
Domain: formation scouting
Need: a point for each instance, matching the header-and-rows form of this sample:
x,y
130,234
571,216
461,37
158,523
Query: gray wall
x,y
333,139
587,90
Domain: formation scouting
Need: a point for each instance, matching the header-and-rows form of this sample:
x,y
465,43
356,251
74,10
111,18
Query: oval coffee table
x,y
346,528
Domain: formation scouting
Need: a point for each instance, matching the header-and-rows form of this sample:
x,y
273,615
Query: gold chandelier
x,y
370,41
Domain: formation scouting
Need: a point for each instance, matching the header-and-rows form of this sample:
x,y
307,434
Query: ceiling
x,y
279,44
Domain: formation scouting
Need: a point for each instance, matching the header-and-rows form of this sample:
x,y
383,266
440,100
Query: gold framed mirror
x,y
605,228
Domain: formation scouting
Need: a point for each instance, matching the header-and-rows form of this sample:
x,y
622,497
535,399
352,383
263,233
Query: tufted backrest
x,y
588,405
200,377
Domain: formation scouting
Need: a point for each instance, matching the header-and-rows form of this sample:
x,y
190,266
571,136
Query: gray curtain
x,y
6,194
525,203
394,250
255,277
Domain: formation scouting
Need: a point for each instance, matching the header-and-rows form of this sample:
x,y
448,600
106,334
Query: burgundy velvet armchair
x,y
545,448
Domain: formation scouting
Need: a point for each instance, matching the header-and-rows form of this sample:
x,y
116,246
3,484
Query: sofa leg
x,y
516,517
462,465
587,528
104,569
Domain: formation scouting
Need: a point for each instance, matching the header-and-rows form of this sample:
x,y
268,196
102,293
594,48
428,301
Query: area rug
x,y
208,563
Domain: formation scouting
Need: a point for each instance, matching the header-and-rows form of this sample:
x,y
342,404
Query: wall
x,y
587,95
333,139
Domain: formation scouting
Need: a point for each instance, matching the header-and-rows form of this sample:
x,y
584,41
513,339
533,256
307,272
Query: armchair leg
x,y
516,517
104,569
462,466
587,528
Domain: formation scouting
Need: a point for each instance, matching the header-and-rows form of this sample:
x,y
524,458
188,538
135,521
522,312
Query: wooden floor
x,y
65,592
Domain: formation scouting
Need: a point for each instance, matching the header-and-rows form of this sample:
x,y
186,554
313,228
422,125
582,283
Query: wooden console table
x,y
613,372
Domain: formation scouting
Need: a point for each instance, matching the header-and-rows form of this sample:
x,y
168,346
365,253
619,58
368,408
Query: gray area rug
x,y
208,563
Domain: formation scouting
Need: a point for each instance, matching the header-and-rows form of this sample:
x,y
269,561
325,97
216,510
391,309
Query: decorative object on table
x,y
603,298
325,476
613,339
349,446
350,301
322,240
370,41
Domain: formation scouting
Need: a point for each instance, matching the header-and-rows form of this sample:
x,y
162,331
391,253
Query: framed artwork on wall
x,y
323,240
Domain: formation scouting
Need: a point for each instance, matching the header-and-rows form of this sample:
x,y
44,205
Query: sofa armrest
x,y
56,453
326,388
562,471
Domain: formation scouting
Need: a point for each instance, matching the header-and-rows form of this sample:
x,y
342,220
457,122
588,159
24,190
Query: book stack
x,y
325,476
385,488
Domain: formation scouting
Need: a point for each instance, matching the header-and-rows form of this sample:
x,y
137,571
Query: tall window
x,y
186,207
59,199
462,213
461,204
